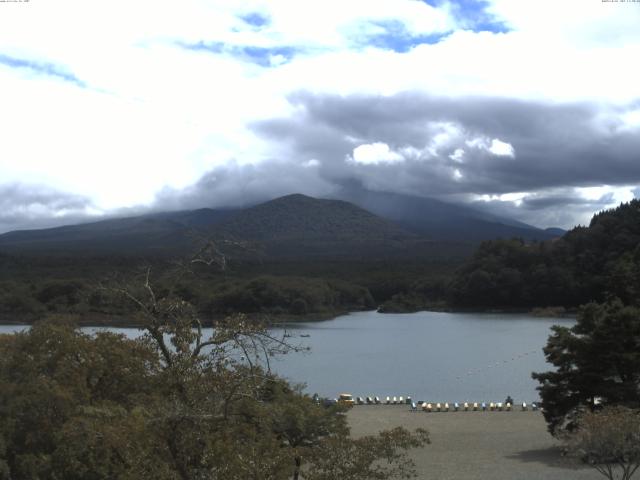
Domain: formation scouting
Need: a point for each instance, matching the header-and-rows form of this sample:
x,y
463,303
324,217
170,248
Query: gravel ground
x,y
477,445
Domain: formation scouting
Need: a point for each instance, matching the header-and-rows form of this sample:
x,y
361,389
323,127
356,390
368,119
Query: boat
x,y
346,399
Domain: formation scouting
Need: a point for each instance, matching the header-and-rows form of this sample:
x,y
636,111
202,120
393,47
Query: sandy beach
x,y
477,445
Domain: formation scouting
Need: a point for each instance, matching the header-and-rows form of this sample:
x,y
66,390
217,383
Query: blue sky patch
x,y
397,38
473,15
212,47
41,68
262,56
256,19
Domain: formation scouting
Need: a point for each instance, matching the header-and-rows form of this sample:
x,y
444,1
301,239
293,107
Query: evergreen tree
x,y
597,364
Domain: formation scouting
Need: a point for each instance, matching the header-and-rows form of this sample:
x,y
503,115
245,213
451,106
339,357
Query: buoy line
x,y
494,365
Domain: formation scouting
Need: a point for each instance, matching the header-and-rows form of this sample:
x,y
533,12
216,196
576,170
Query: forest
x,y
588,263
592,263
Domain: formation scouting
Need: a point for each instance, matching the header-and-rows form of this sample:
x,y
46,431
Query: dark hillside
x,y
297,226
160,233
586,264
443,221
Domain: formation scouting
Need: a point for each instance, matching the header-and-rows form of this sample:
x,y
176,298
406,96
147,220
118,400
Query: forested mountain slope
x,y
587,263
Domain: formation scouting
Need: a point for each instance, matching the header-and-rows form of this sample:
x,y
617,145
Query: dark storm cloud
x,y
31,206
234,185
555,144
558,147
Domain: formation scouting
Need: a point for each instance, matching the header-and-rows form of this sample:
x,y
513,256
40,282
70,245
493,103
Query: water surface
x,y
428,355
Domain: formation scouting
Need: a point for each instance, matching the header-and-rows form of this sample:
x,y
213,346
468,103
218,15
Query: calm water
x,y
428,355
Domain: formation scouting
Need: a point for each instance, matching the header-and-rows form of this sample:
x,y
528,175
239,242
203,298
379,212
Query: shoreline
x,y
103,320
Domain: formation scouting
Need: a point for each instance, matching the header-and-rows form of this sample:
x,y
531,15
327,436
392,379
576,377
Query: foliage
x,y
213,295
290,295
609,441
597,362
180,402
375,457
587,264
423,294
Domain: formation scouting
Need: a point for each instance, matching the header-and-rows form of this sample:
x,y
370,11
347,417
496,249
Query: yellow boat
x,y
346,399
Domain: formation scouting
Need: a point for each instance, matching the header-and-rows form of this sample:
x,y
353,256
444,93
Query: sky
x,y
524,108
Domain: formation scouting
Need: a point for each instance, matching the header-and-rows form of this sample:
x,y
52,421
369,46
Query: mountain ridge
x,y
441,220
294,224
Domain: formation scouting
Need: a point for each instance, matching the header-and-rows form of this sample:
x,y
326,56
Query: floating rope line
x,y
496,364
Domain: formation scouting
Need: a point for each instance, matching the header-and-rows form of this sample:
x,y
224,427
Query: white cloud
x,y
457,155
312,163
375,153
502,149
515,197
494,146
444,135
631,119
617,194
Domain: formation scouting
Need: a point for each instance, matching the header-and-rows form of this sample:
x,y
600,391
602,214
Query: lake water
x,y
430,356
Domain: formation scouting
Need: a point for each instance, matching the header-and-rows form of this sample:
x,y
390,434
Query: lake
x,y
432,356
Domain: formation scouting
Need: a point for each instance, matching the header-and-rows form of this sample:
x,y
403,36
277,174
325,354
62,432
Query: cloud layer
x,y
526,108
519,158
32,206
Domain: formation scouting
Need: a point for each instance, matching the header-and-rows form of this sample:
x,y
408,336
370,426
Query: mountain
x,y
556,232
148,234
442,221
364,226
297,225
294,226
